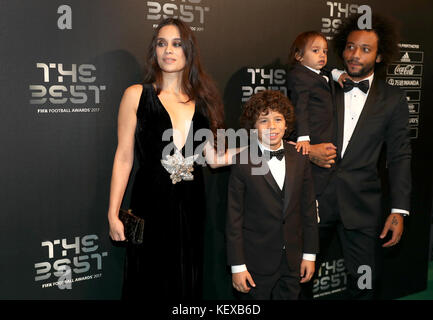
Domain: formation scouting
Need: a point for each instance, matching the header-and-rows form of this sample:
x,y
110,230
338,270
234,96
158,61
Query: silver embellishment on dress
x,y
180,168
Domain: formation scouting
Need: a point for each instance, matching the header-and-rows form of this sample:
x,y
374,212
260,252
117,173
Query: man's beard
x,y
363,72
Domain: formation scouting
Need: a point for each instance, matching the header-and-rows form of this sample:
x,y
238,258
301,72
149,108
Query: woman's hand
x,y
117,232
216,159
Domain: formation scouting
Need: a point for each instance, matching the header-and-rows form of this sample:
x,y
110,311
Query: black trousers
x,y
360,248
282,285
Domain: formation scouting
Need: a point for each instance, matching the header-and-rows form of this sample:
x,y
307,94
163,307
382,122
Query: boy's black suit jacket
x,y
312,97
262,219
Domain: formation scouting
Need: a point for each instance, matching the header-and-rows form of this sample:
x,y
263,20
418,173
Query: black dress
x,y
168,265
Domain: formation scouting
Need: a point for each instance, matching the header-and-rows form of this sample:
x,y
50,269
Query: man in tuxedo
x,y
271,226
370,116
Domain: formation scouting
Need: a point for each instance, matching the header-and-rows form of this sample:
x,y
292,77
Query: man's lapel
x,y
331,84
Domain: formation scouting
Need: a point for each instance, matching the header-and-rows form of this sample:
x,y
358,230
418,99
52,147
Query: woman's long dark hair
x,y
196,84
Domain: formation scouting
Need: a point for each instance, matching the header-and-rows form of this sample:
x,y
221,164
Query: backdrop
x,y
64,67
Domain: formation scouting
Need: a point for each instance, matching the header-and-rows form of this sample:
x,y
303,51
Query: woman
x,y
177,95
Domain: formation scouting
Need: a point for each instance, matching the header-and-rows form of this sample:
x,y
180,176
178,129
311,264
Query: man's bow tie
x,y
279,154
362,85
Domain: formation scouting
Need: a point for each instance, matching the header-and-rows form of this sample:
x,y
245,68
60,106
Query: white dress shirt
x,y
277,167
278,171
354,101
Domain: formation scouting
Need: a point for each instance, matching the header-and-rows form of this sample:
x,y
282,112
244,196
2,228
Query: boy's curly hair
x,y
385,29
263,102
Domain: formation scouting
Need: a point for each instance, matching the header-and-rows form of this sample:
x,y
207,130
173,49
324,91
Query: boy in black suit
x,y
271,228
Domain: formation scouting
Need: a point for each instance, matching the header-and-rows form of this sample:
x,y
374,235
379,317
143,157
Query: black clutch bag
x,y
133,226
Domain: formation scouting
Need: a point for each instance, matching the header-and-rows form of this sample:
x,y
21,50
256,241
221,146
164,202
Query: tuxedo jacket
x,y
383,121
312,98
262,218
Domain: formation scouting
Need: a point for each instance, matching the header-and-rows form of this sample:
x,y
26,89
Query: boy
x,y
271,228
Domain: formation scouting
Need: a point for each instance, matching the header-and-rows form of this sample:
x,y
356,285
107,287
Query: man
x,y
370,115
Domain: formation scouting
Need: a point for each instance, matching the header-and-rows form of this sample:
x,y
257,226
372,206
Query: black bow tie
x,y
279,154
362,85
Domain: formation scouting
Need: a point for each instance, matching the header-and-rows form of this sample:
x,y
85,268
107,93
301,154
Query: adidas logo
x,y
405,57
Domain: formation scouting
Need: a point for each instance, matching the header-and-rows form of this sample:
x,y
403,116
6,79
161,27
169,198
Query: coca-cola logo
x,y
404,70
400,69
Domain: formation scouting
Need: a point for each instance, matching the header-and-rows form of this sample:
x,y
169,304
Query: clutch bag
x,y
133,226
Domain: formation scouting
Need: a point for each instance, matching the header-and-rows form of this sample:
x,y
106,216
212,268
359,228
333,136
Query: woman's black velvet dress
x,y
168,266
